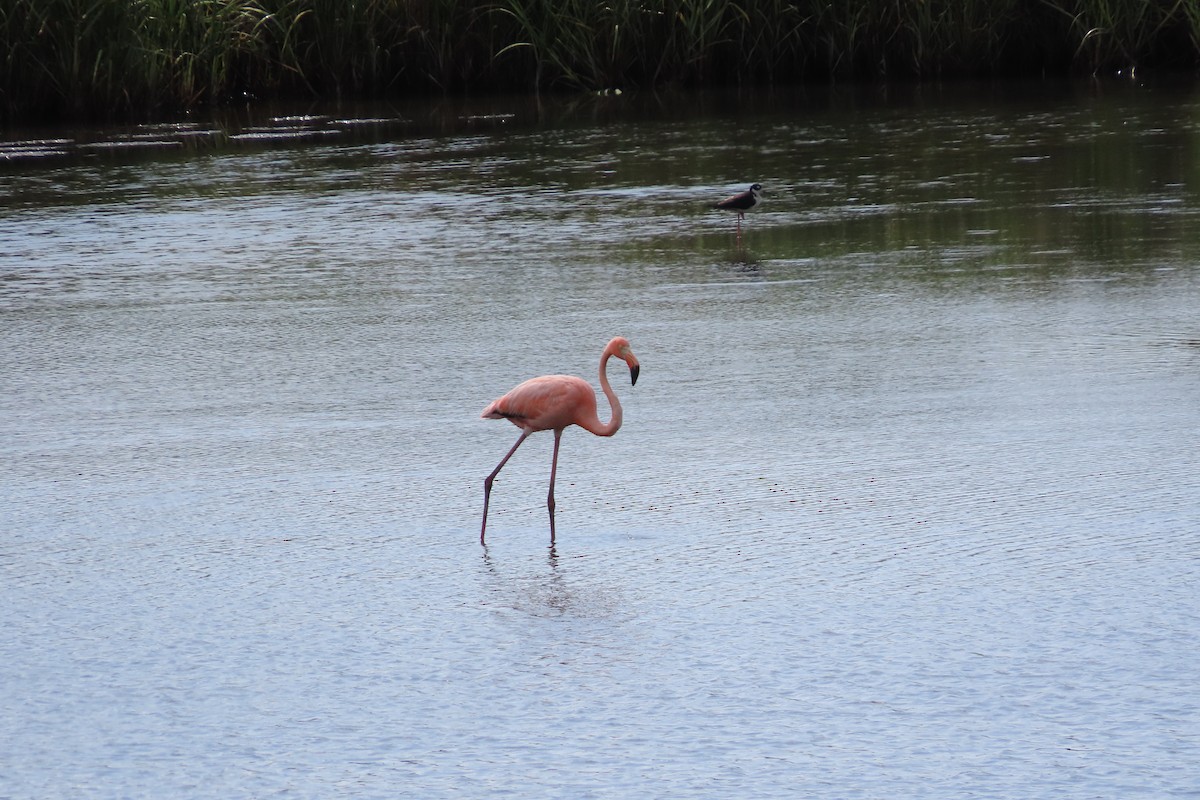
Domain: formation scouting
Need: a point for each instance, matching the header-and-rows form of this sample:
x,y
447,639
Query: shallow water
x,y
905,503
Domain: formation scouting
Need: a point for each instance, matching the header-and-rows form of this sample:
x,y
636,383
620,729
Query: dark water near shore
x,y
905,503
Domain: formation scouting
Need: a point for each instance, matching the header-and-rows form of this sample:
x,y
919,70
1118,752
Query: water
x,y
905,503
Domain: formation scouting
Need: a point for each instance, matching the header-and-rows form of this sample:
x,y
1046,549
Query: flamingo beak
x,y
633,373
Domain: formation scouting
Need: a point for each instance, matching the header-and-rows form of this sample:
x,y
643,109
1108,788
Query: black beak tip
x,y
633,373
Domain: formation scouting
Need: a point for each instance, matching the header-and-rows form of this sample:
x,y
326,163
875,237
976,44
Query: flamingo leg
x,y
487,482
553,472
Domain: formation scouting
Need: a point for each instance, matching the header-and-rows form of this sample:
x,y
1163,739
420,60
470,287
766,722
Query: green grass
x,y
79,58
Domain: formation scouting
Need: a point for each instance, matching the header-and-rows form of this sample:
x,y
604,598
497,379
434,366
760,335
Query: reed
x,y
89,57
580,43
1119,33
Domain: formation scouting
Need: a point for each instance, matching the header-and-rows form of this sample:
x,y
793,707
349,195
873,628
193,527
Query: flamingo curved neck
x,y
614,424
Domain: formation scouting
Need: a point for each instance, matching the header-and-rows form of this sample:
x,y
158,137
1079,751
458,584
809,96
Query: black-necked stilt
x,y
741,203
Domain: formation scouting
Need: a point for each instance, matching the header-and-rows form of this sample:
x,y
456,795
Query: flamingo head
x,y
619,347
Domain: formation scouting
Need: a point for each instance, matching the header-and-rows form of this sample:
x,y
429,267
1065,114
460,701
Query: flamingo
x,y
551,403
741,203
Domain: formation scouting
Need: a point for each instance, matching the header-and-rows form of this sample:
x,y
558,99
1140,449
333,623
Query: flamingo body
x,y
547,403
552,403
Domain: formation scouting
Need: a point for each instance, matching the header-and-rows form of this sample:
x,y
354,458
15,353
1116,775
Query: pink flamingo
x,y
551,403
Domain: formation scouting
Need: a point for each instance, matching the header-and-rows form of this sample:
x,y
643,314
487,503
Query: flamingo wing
x,y
545,403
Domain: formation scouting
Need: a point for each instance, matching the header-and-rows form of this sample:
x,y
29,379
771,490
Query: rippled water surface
x,y
905,503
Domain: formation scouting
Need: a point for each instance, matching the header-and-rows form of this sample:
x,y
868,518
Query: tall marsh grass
x,y
102,57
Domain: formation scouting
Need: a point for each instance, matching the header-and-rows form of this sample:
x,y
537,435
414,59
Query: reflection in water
x,y
556,594
744,264
547,592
